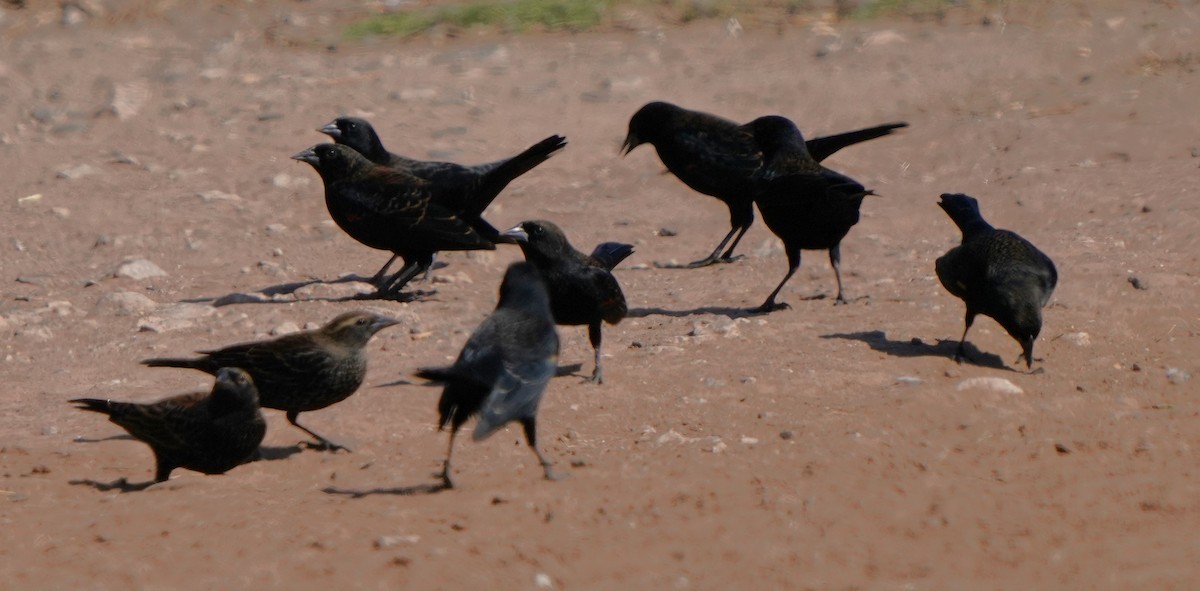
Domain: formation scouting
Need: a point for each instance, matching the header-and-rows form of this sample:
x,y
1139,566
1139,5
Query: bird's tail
x,y
824,147
610,254
435,374
504,172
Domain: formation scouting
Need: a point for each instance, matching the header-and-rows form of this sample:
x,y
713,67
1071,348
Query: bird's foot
x,y
769,307
554,475
840,300
447,482
597,378
325,445
713,261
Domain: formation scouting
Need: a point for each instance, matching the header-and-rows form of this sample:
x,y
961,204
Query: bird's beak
x,y
631,142
331,130
516,233
309,156
382,322
225,377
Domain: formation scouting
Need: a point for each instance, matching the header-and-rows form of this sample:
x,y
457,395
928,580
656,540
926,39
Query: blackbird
x,y
582,288
209,432
389,209
996,273
504,368
806,205
299,372
718,157
465,190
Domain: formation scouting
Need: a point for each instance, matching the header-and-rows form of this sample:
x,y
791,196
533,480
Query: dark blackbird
x,y
389,209
718,157
503,369
465,190
302,371
806,205
582,288
209,432
996,273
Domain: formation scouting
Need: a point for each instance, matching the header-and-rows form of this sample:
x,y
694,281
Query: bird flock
x,y
415,209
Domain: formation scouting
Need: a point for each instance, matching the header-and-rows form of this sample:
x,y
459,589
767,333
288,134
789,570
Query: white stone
x,y
994,384
139,269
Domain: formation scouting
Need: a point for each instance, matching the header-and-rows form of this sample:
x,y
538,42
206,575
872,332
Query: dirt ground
x,y
820,447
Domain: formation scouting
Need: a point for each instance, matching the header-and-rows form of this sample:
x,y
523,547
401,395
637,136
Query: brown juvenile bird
x,y
209,432
300,372
582,288
718,157
996,273
504,367
806,205
465,190
389,209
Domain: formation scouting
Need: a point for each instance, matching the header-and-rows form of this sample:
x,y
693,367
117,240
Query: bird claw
x,y
596,378
325,445
769,307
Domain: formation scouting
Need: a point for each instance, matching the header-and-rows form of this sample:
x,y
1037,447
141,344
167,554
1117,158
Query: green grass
x,y
509,15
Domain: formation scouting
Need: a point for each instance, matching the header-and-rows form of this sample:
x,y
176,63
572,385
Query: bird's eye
x,y
362,321
351,126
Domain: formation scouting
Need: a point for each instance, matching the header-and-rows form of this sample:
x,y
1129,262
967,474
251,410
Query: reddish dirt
x,y
819,447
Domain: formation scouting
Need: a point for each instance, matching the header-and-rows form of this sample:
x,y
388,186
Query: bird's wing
x,y
515,394
707,152
823,147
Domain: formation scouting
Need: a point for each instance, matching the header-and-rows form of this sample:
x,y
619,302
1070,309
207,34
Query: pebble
x,y
543,581
389,541
1079,339
76,172
667,232
129,98
786,435
124,303
1177,376
28,199
156,324
995,384
214,195
138,269
908,380
285,328
276,229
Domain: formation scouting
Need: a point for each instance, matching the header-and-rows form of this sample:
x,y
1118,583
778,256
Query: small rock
x,y
214,195
1138,283
543,581
1079,339
786,435
29,199
124,303
276,229
717,447
994,384
1062,449
749,440
389,541
272,269
76,172
138,269
672,436
160,325
667,232
884,38
128,99
908,380
285,328
61,212
1177,376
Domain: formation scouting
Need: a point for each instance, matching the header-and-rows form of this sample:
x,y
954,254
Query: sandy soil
x,y
820,447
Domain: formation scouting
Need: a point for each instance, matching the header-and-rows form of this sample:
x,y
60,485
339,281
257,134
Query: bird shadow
x,y
267,294
121,484
402,491
560,371
877,340
276,453
715,310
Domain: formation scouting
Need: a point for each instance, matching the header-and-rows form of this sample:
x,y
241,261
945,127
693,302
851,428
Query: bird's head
x,y
332,161
964,210
354,132
234,383
539,239
523,287
645,123
354,329
1024,326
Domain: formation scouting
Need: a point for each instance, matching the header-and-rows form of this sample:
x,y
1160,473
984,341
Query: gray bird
x,y
209,432
299,372
504,368
996,273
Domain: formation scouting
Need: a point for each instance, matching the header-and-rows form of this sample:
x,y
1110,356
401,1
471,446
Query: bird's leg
x,y
835,260
402,277
377,280
530,425
770,305
728,256
428,268
322,444
594,337
961,352
715,257
446,480
162,467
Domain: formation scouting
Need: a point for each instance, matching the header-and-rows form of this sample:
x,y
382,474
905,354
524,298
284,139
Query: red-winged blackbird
x,y
209,432
303,371
389,209
718,157
503,369
582,288
465,190
996,273
806,205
